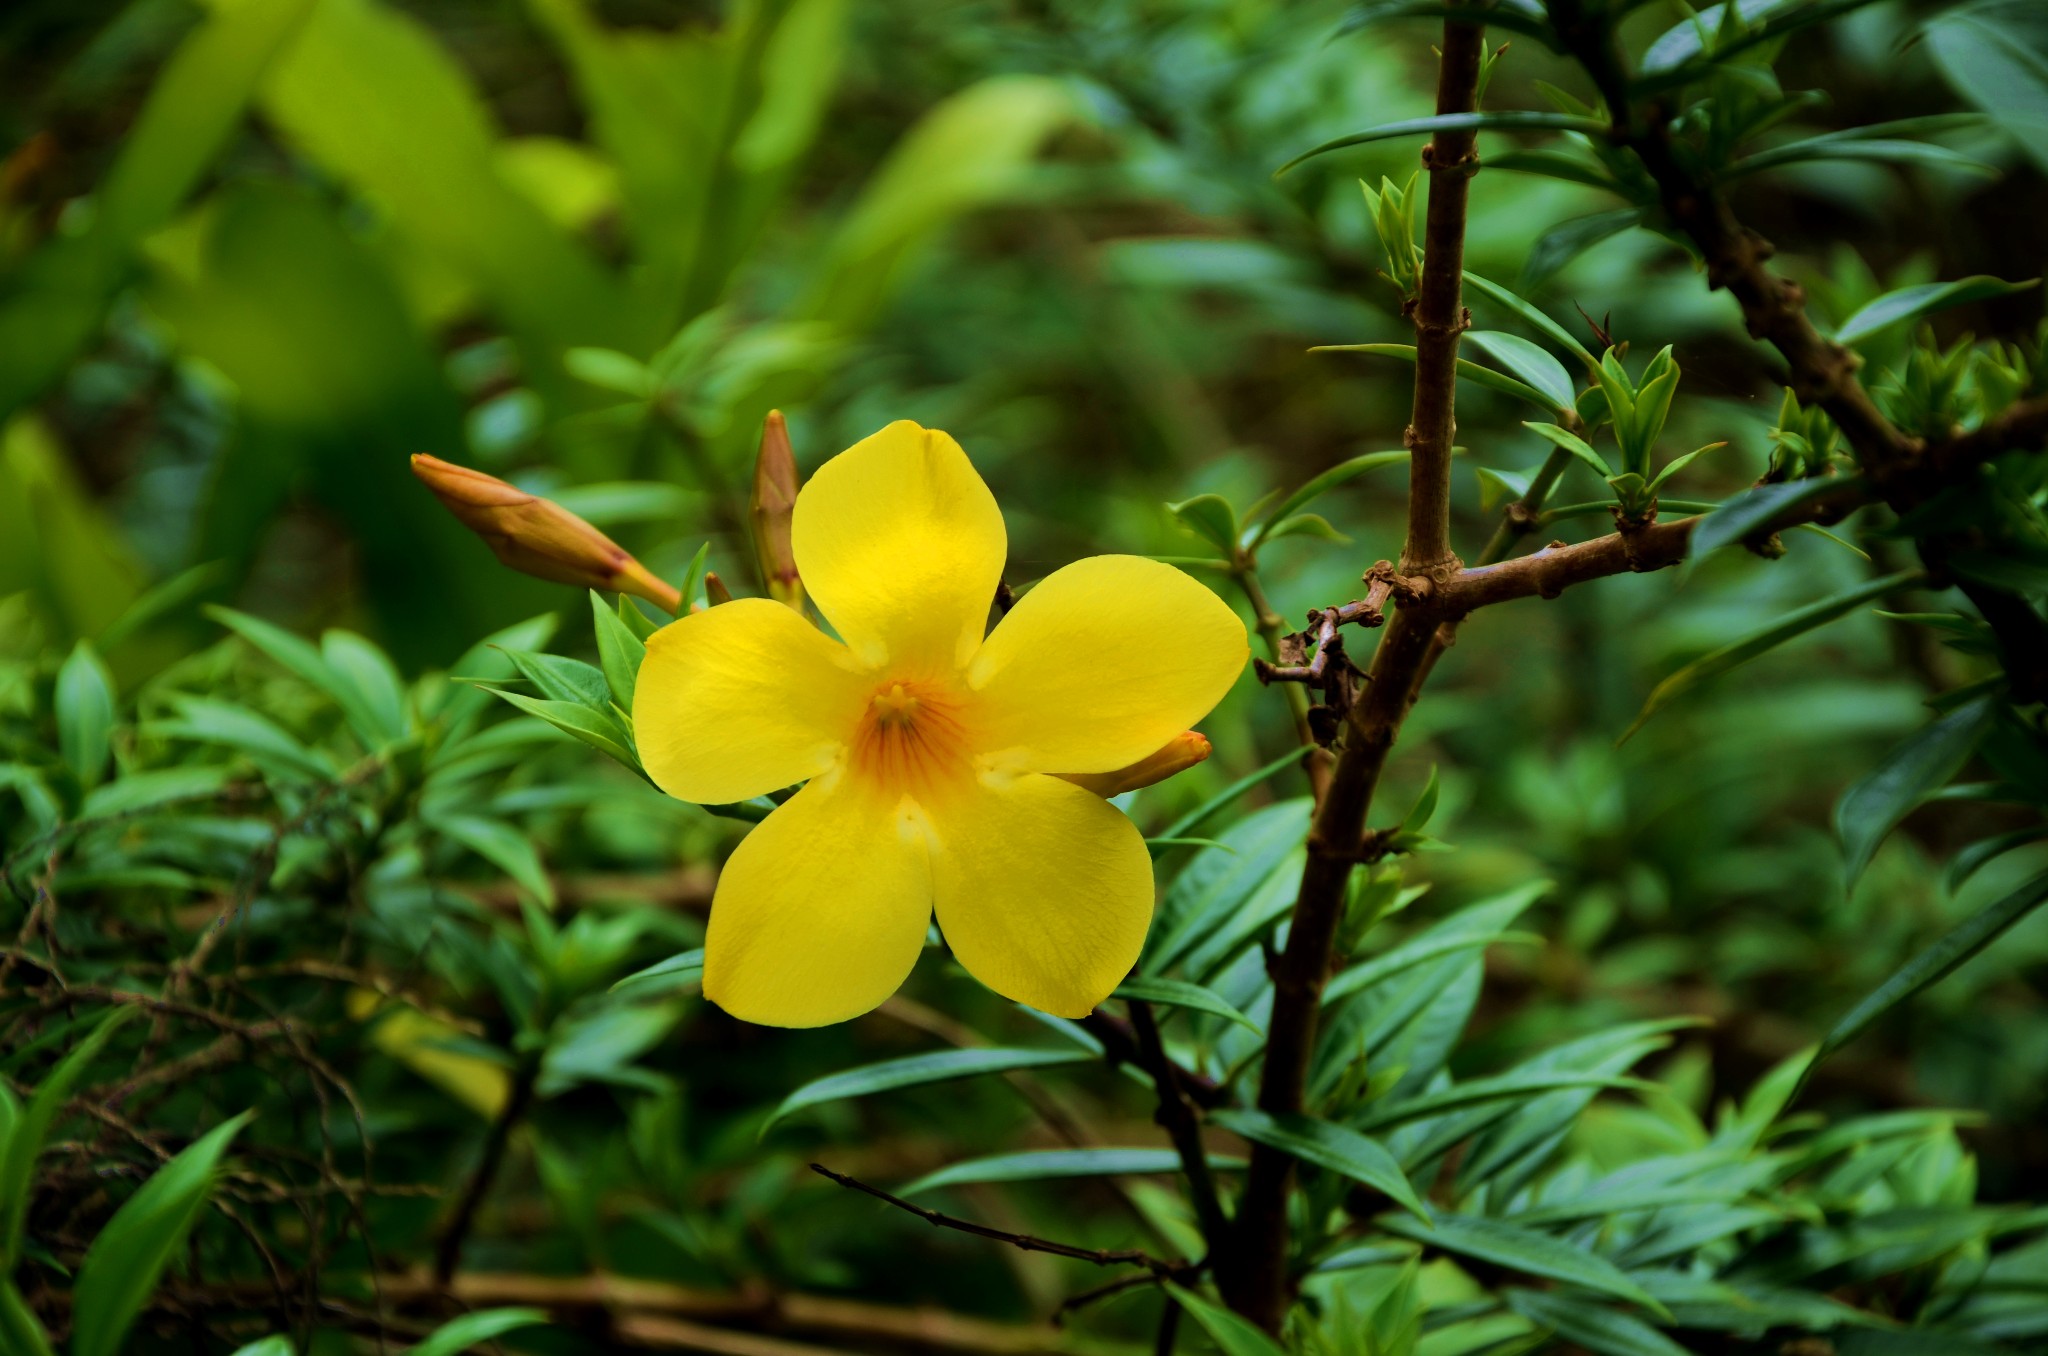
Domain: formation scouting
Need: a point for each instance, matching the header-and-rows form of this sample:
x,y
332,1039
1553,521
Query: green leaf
x,y
1849,146
1210,517
639,623
1521,1250
684,971
693,595
1926,762
1572,443
1470,371
1935,963
1993,56
1754,509
1040,1165
122,1267
915,1071
1194,819
619,651
473,1330
1528,22
1568,240
1909,303
599,729
267,1346
298,657
1232,1334
1530,314
1513,120
228,725
139,791
1739,652
1181,994
1573,168
85,714
1679,56
1515,1086
1413,953
1304,525
1595,1327
1318,486
1339,1149
561,679
1528,360
503,847
24,1142
20,1330
1679,463
376,695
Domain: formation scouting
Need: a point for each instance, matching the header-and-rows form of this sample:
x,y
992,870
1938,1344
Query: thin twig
x,y
1102,1257
1176,1114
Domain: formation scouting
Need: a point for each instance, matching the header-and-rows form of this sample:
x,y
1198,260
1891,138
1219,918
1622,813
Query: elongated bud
x,y
1182,752
715,591
775,486
537,536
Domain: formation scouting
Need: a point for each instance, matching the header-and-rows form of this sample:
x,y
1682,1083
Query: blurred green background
x,y
254,253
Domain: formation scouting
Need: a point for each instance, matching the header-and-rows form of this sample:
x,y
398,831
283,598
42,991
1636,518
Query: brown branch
x,y
1252,1270
448,1248
1905,469
1177,1115
1439,307
1102,1257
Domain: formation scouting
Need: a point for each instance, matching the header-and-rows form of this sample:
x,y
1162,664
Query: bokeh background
x,y
587,244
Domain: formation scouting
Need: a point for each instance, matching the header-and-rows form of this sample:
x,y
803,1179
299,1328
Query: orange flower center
x,y
911,739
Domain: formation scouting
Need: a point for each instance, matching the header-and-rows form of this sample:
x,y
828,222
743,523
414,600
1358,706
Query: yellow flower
x,y
931,755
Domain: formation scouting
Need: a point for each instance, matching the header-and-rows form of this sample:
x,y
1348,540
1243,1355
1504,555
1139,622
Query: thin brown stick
x,y
1253,1268
1439,307
1102,1257
1177,1115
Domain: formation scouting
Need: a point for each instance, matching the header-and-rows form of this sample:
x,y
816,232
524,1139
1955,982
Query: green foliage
x,y
313,880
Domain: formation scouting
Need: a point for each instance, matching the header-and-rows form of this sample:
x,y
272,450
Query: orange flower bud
x,y
715,591
537,536
1182,752
775,485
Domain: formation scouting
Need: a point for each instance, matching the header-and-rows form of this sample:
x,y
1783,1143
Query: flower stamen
x,y
911,740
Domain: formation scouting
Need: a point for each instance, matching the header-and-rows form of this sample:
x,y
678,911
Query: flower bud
x,y
1182,752
775,486
537,536
715,591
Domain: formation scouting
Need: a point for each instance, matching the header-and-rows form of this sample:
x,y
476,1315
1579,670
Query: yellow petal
x,y
1044,891
1101,664
743,699
821,911
901,546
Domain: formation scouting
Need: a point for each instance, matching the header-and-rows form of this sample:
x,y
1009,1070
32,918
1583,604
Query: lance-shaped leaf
x,y
1909,303
1047,1164
1572,443
123,1265
1756,509
1505,120
467,1331
1530,314
1470,371
1233,1334
916,1070
23,1142
1910,773
1568,240
619,651
1320,485
85,713
1739,652
1592,1326
1210,517
1935,963
1522,1250
1181,994
1335,1147
1530,361
684,971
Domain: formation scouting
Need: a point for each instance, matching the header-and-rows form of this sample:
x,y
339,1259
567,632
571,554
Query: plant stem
x,y
448,1251
1182,1123
1315,760
1253,1270
1439,309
